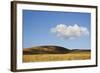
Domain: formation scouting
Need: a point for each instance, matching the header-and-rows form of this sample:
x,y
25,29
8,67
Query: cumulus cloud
x,y
69,32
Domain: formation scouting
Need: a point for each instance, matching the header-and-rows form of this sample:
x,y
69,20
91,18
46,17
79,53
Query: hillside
x,y
54,53
46,50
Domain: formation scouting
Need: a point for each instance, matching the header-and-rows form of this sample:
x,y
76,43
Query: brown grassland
x,y
75,55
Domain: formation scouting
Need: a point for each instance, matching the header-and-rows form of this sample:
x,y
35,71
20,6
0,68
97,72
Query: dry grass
x,y
57,57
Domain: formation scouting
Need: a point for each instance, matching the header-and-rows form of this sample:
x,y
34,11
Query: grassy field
x,y
76,55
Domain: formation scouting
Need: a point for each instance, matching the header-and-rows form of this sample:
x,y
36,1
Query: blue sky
x,y
37,26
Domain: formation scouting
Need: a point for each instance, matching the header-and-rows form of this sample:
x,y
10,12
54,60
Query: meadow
x,y
75,55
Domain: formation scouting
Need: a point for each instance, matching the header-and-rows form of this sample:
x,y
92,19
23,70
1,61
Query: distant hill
x,y
46,50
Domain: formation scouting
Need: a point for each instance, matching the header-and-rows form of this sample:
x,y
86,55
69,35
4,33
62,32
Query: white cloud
x,y
69,32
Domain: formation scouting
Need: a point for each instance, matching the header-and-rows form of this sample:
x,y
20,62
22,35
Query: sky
x,y
67,29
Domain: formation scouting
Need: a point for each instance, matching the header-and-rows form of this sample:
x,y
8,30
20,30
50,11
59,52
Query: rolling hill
x,y
54,53
46,50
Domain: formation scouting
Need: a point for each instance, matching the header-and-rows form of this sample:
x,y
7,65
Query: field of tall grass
x,y
57,57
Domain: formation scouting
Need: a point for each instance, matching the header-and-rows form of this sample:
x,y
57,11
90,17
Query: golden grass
x,y
57,57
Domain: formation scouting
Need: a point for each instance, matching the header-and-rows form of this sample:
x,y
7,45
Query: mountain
x,y
46,50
